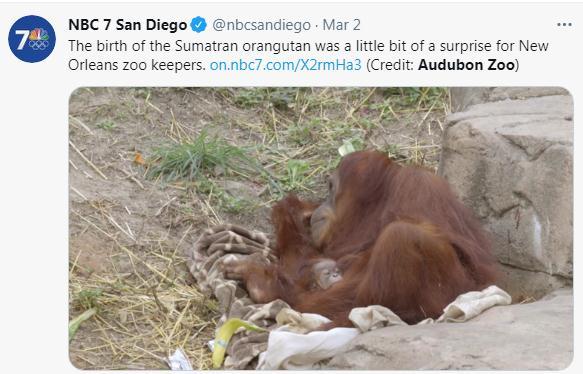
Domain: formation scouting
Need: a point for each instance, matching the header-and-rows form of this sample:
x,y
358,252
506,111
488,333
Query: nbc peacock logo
x,y
38,39
31,38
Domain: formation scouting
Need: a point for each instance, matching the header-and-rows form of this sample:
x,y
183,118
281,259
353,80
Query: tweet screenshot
x,y
290,185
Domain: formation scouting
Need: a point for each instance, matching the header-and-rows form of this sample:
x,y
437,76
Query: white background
x,y
34,125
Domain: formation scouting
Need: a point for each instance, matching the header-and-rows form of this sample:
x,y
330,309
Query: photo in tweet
x,y
306,227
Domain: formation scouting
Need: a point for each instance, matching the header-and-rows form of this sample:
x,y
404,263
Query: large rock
x,y
462,97
538,335
511,161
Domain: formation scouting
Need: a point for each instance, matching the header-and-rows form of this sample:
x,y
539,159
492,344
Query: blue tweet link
x,y
31,39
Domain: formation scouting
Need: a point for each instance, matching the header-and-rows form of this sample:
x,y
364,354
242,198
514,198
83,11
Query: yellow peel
x,y
224,335
76,322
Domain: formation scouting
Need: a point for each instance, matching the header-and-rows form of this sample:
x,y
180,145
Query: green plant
x,y
296,174
200,158
89,298
304,133
282,98
107,125
249,97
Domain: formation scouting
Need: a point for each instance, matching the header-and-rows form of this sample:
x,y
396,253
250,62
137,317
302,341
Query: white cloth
x,y
471,304
291,350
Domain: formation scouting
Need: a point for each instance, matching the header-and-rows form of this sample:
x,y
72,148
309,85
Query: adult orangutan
x,y
397,236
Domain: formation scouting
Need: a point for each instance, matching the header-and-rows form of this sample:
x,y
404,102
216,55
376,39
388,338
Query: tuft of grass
x,y
88,298
201,158
296,174
107,125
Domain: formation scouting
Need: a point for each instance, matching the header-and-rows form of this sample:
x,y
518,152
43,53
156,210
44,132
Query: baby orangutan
x,y
320,274
325,273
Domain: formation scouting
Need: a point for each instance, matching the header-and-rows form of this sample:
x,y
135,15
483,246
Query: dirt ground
x,y
128,231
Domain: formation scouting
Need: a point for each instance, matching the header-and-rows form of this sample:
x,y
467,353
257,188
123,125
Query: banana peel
x,y
76,322
224,335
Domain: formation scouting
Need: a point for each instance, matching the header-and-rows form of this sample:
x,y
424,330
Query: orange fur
x,y
399,235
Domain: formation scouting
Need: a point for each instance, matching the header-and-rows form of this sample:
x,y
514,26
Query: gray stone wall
x,y
508,154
